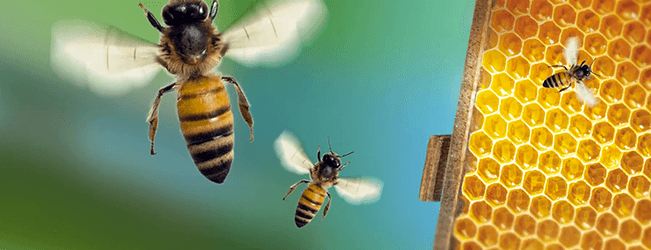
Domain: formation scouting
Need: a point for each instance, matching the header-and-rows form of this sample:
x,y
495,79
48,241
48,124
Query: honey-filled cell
x,y
644,145
488,170
510,109
509,241
541,138
645,17
585,217
611,91
534,182
564,144
627,73
604,66
525,91
471,245
592,239
517,201
480,212
524,225
580,126
610,156
641,55
616,180
549,33
623,205
510,44
503,218
539,72
494,61
526,157
564,15
611,26
572,32
603,7
634,32
518,7
540,207
493,38
473,187
511,176
502,21
487,102
496,194
643,211
619,50
646,237
563,212
549,162
526,27
588,151
601,199
465,228
517,67
595,174
627,9
480,144
533,50
570,103
579,193
570,236
556,188
618,115
625,138
541,10
548,98
632,162
487,235
532,243
548,230
556,120
607,224
518,132
504,151
533,115
639,187
630,231
588,21
603,133
647,168
554,56
634,98
485,79
595,44
572,169
597,112
614,243
495,126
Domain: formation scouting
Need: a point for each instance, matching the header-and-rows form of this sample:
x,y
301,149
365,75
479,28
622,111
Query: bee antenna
x,y
329,144
346,154
584,62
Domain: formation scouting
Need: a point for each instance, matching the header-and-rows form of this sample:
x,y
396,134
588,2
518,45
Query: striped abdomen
x,y
207,125
309,204
557,80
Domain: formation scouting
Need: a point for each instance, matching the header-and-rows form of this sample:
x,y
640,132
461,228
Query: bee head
x,y
331,159
184,13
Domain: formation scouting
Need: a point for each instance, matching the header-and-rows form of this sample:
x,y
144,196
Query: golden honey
x,y
548,172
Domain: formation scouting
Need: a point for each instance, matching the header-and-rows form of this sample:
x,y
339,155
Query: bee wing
x,y
274,32
359,190
571,50
585,94
291,154
106,59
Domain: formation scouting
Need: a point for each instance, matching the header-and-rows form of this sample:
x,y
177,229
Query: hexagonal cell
x,y
502,21
563,212
533,50
541,10
580,4
525,91
570,236
580,126
494,61
639,187
634,97
585,217
487,235
511,176
541,138
503,218
525,225
465,228
564,15
641,56
509,241
627,9
645,78
556,188
554,56
487,102
647,168
540,72
473,187
496,194
623,205
627,73
597,112
588,21
532,243
550,162
540,206
526,157
517,67
595,44
646,238
588,151
485,79
572,169
533,115
471,245
492,40
614,244
603,133
641,121
556,120
510,44
488,169
618,115
595,174
619,50
604,66
548,98
616,180
572,32
611,26
611,91
534,182
634,32
480,211
495,126
517,201
601,199
502,85
610,156
526,27
517,7
592,239
607,224
644,145
549,33
579,193
646,15
625,138
565,144
518,132
548,230
570,104
504,151
480,144
603,6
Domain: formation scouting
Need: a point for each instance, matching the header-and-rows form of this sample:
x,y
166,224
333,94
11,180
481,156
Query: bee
x,y
323,174
576,74
112,62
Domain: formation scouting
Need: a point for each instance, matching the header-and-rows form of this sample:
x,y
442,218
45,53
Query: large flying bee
x,y
323,174
576,74
112,61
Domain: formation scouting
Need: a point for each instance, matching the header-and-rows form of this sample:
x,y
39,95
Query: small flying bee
x,y
323,174
576,74
111,61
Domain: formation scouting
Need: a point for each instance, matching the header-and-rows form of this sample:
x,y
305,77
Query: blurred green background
x,y
75,169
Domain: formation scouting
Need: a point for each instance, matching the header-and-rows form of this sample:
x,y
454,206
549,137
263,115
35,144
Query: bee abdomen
x,y
207,125
557,80
309,204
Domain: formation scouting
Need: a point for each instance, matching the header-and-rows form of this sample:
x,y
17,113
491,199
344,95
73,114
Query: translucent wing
x,y
102,57
585,94
291,154
274,32
359,190
571,50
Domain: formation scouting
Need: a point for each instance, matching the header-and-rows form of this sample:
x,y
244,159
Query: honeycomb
x,y
550,172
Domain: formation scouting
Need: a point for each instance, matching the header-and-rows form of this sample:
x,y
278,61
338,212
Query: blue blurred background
x,y
75,169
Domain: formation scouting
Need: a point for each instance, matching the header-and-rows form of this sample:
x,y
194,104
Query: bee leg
x,y
213,10
325,210
244,104
153,114
151,18
291,189
558,66
568,86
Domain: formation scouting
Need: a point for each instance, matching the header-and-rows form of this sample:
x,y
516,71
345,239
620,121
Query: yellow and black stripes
x,y
560,79
207,125
309,204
